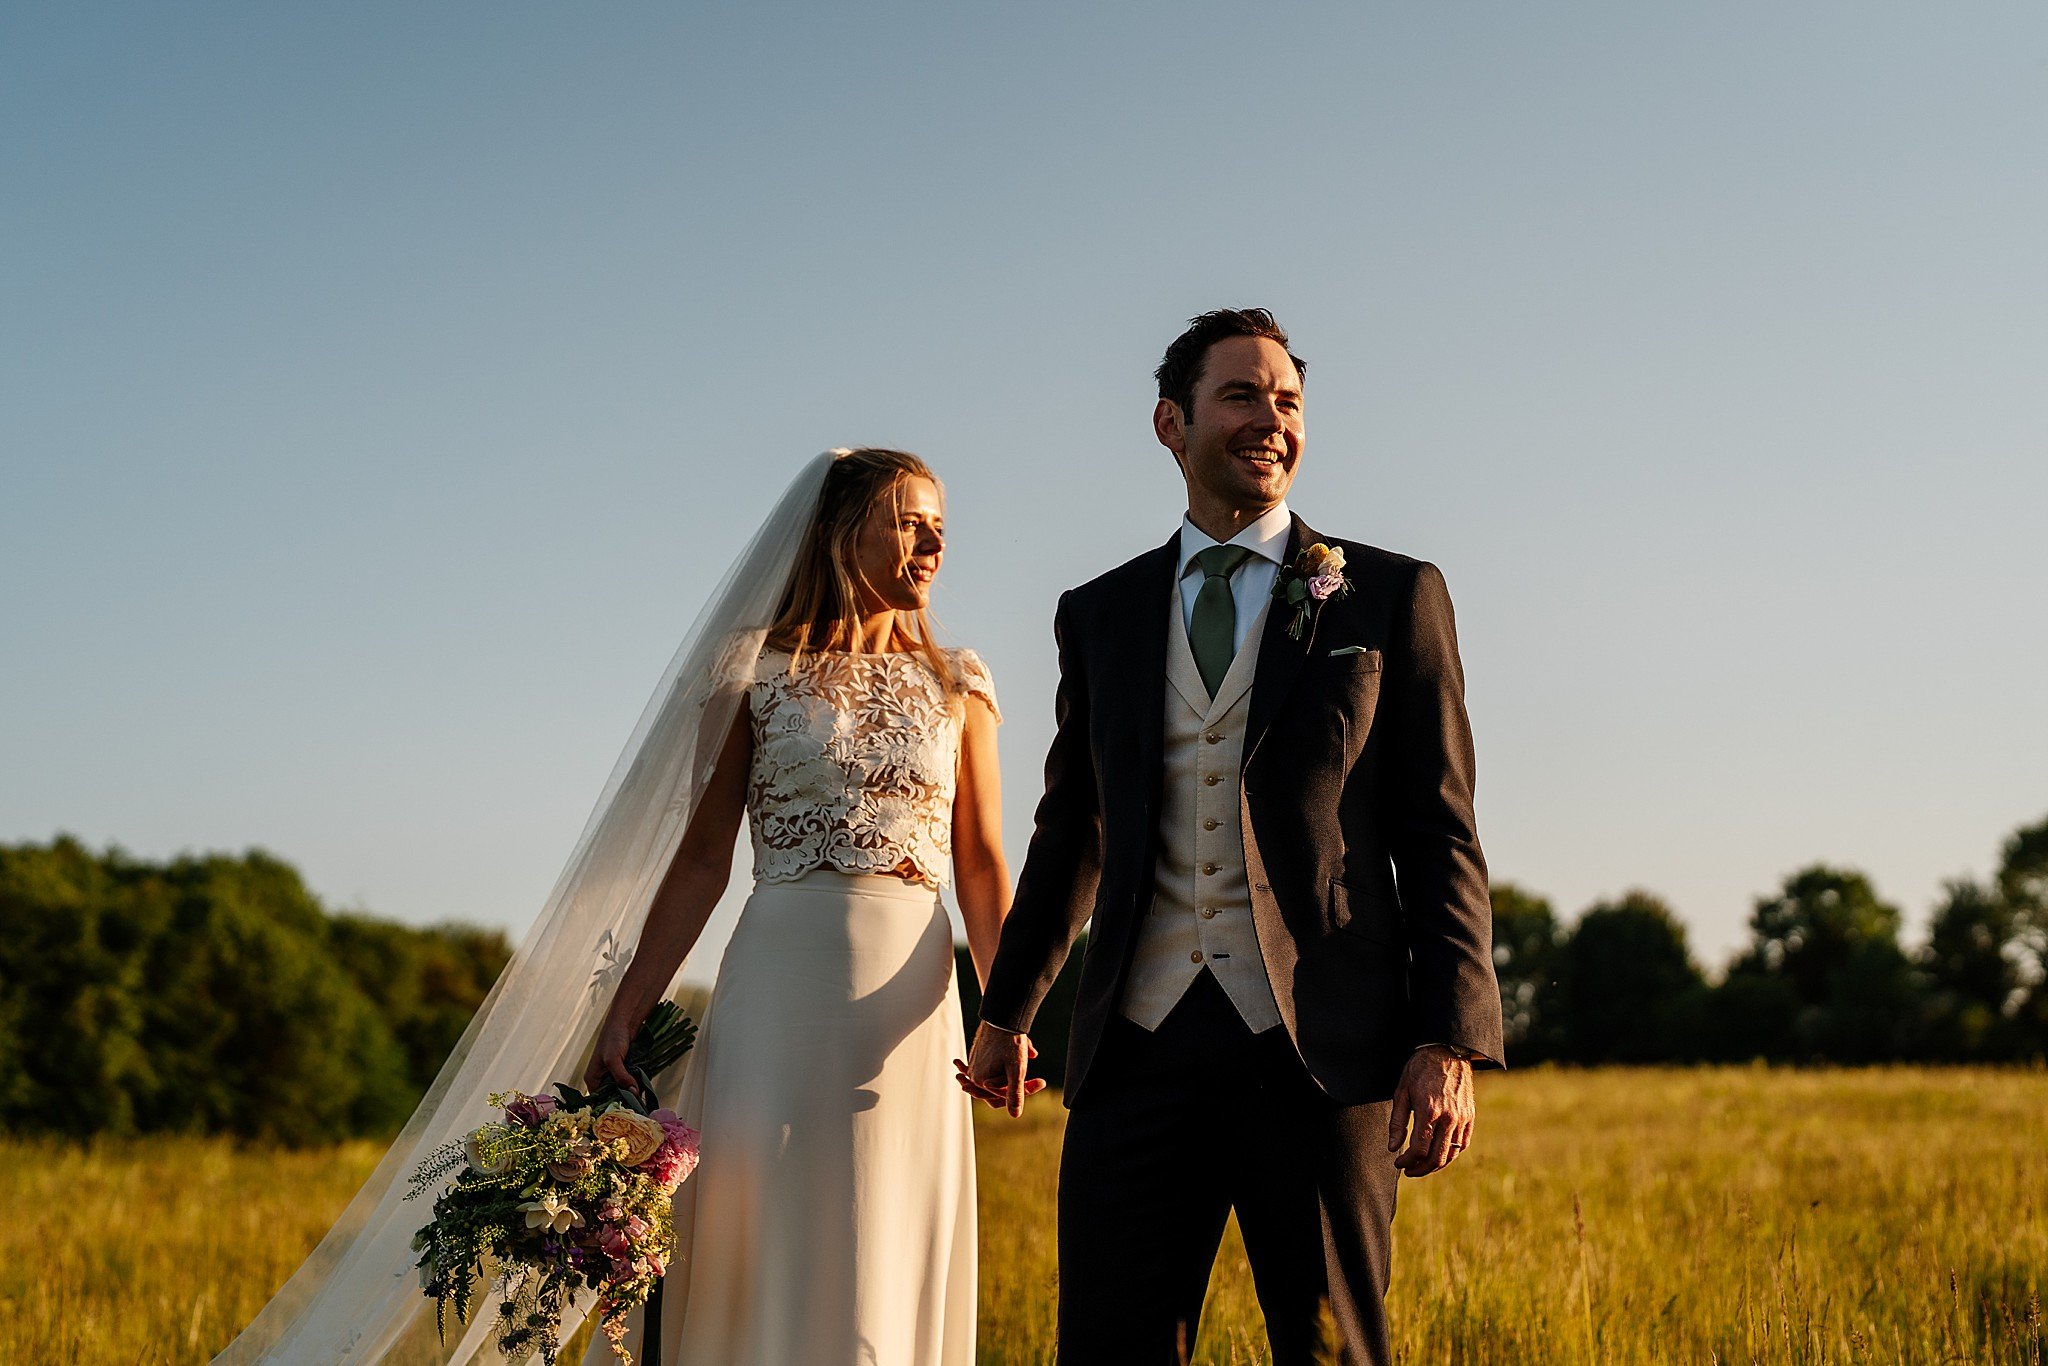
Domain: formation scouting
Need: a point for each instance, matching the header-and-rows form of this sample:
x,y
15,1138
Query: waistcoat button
x,y
1195,957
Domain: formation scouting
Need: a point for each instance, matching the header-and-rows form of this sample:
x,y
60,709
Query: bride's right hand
x,y
608,1059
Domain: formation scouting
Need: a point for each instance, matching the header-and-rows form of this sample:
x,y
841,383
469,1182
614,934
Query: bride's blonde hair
x,y
819,608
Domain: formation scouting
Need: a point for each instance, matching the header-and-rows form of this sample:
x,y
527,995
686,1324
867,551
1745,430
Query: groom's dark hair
x,y
1181,370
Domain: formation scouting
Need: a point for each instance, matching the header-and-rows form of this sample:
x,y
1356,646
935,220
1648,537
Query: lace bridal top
x,y
856,757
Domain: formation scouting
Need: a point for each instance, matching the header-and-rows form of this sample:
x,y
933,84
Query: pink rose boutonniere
x,y
1314,578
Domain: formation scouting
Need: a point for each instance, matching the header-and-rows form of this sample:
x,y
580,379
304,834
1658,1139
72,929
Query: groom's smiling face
x,y
1240,446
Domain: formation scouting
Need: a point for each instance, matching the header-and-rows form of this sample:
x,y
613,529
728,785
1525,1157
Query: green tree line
x,y
214,994
1824,977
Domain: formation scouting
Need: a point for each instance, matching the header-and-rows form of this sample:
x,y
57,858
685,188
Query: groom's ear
x,y
1170,426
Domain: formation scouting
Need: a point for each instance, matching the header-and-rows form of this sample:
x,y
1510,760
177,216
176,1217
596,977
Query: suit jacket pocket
x,y
1350,662
1368,915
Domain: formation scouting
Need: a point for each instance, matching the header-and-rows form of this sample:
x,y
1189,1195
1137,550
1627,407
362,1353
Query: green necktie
x,y
1212,631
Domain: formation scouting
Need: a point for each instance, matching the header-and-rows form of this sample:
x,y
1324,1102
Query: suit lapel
x,y
1280,657
1144,625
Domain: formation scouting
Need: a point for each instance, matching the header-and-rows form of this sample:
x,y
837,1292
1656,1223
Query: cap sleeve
x,y
971,677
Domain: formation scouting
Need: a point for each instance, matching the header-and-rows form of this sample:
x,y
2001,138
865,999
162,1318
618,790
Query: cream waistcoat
x,y
1201,913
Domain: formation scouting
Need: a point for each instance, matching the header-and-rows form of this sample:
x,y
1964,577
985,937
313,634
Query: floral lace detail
x,y
855,762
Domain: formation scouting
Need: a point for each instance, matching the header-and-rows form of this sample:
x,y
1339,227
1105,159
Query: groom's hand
x,y
995,1068
1435,1092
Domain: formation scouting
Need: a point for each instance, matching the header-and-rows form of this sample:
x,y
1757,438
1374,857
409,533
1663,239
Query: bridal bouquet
x,y
565,1193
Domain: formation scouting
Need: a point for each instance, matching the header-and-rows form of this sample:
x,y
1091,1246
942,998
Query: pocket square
x,y
1347,650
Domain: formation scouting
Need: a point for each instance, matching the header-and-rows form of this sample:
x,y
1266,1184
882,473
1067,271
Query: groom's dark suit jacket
x,y
1368,888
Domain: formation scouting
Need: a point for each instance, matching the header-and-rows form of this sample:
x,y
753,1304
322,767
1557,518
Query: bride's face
x,y
897,554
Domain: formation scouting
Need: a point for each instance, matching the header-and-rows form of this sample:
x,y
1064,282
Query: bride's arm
x,y
981,878
695,880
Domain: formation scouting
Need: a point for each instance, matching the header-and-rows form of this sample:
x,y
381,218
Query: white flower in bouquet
x,y
551,1211
477,1149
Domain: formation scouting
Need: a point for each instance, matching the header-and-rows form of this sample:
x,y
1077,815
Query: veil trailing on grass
x,y
357,1298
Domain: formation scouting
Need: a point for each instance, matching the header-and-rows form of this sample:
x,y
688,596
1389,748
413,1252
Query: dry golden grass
x,y
154,1252
1891,1215
1729,1215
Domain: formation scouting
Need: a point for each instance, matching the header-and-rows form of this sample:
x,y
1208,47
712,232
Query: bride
x,y
831,1218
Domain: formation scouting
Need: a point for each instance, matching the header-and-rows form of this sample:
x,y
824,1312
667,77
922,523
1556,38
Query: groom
x,y
1261,790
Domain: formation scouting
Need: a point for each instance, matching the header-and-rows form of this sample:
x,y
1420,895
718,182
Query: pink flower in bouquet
x,y
571,1169
531,1110
578,1163
676,1158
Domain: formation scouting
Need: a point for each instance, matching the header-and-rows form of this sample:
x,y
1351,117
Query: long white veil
x,y
357,1297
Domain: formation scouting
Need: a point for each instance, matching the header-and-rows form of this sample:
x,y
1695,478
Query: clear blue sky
x,y
380,385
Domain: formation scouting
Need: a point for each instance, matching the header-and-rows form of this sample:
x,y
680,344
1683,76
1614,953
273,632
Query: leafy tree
x,y
213,994
1812,927
1874,1010
2023,871
1627,982
1749,1014
72,978
2023,885
1973,963
1829,937
1972,945
1526,942
261,1032
425,983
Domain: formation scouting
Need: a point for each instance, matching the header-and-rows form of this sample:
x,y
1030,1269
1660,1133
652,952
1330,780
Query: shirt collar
x,y
1266,538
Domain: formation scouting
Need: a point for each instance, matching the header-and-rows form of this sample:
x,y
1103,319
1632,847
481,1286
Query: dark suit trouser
x,y
1174,1129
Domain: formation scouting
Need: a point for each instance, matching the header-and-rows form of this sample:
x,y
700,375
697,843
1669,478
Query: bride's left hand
x,y
995,1071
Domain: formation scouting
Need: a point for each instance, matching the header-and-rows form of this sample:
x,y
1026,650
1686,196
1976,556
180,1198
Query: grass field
x,y
1890,1215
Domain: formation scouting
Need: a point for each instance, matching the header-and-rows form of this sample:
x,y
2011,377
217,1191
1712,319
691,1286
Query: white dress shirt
x,y
1252,582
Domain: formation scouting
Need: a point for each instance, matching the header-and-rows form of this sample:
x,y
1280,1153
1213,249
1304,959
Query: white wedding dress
x,y
831,1220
